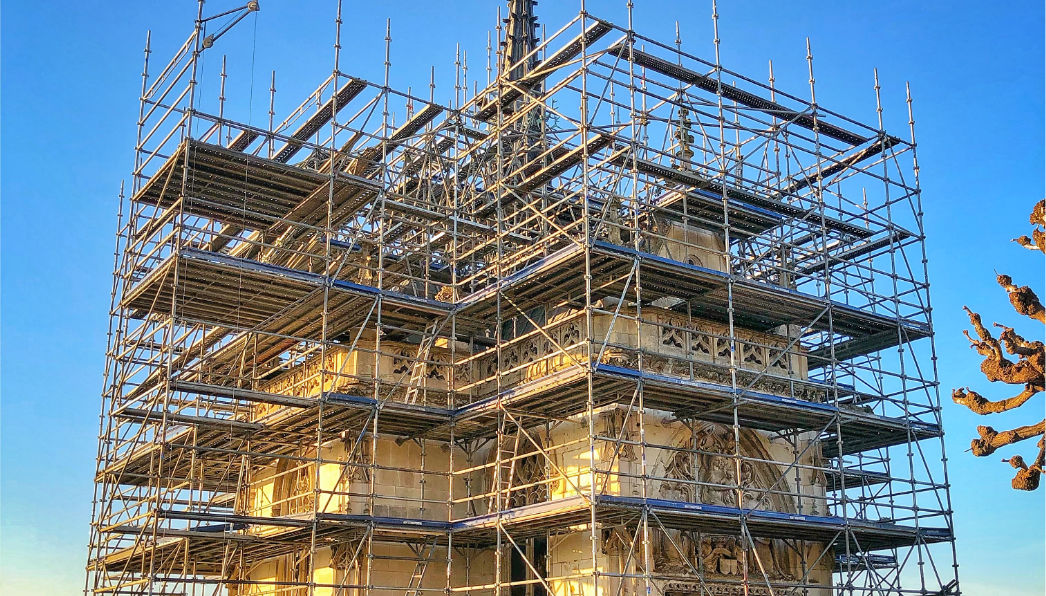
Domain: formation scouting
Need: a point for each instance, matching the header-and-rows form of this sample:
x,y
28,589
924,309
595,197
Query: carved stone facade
x,y
649,454
387,367
670,343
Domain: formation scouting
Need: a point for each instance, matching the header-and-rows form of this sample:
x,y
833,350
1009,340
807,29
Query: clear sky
x,y
70,81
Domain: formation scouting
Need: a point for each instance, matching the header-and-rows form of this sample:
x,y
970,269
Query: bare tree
x,y
1026,371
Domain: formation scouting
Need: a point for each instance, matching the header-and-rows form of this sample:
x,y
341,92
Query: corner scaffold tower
x,y
617,322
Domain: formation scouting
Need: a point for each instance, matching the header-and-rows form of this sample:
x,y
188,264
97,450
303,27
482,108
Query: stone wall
x,y
409,481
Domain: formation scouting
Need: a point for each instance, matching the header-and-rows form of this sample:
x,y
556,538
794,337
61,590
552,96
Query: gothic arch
x,y
527,476
715,469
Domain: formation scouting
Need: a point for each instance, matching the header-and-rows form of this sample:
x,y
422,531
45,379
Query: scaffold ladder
x,y
507,466
422,564
420,366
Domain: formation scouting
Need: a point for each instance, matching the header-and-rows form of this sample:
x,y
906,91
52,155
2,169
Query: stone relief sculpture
x,y
705,459
617,425
691,554
702,467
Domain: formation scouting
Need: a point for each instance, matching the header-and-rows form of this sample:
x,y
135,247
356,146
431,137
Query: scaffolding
x,y
620,321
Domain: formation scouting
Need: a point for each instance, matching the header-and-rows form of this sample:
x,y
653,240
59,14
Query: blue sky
x,y
70,81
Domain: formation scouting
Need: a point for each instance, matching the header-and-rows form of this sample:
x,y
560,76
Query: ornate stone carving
x,y
401,361
778,361
570,333
707,459
510,357
615,357
700,345
438,371
722,350
358,460
524,478
531,350
490,367
671,337
680,467
686,554
753,355
616,425
463,374
445,294
341,555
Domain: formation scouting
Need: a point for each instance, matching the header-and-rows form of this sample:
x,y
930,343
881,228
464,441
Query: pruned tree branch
x,y
1038,236
991,439
1023,299
1017,345
1027,477
1036,242
979,405
996,367
1028,369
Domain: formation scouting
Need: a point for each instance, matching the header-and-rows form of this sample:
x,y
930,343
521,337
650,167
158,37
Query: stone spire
x,y
521,37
